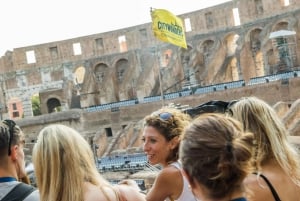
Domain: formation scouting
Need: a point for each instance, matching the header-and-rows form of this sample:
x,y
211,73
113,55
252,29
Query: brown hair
x,y
6,128
171,126
216,153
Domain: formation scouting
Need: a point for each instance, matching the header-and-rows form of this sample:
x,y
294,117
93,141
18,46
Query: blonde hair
x,y
63,161
217,153
271,136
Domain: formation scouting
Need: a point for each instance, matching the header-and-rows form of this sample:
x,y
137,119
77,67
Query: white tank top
x,y
186,194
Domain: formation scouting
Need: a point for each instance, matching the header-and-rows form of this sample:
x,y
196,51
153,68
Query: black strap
x,y
274,193
19,192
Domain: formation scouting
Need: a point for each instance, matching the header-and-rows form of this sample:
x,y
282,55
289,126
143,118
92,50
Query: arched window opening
x,y
53,105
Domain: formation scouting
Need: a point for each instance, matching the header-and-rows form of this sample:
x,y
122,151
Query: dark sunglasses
x,y
214,106
230,104
11,124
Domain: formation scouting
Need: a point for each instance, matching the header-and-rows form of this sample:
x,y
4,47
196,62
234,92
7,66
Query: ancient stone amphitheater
x,y
105,89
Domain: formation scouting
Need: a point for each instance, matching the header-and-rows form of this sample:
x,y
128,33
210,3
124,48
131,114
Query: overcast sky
x,y
31,22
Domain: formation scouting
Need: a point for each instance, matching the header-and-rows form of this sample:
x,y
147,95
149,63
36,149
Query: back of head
x,y
269,131
10,134
63,160
216,154
170,122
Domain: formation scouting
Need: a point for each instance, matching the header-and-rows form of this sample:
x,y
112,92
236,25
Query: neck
x,y
8,170
236,194
166,163
271,162
270,165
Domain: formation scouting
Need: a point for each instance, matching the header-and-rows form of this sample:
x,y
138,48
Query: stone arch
x,y
78,77
281,25
185,55
188,71
101,72
119,77
36,104
231,62
206,48
102,83
212,54
230,41
121,67
284,45
256,52
53,105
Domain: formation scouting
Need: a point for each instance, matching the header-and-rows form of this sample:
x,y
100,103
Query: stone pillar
x,y
27,107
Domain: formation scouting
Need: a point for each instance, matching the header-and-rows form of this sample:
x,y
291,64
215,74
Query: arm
x,y
130,182
128,192
169,183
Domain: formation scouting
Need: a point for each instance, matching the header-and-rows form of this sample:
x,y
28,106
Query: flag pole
x,y
168,28
159,74
159,77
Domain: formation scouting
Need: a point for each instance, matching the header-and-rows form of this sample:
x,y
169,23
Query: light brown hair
x,y
216,153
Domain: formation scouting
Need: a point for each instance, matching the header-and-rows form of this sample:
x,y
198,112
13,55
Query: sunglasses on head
x,y
11,124
163,115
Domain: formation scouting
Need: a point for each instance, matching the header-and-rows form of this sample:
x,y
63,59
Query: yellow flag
x,y
167,27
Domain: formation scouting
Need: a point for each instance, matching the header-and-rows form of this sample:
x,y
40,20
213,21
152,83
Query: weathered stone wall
x,y
284,96
109,71
218,51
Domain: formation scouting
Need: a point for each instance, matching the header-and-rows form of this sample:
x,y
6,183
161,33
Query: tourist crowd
x,y
234,151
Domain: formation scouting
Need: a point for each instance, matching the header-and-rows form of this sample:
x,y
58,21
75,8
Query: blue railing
x,y
122,162
200,90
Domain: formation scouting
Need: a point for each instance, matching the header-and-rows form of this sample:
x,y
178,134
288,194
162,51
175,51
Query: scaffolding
x,y
285,49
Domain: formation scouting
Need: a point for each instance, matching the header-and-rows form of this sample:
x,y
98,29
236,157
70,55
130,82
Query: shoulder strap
x,y
274,193
19,192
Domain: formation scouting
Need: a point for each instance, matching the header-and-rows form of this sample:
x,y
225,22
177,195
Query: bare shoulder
x,y
170,173
169,182
94,193
170,177
257,188
250,180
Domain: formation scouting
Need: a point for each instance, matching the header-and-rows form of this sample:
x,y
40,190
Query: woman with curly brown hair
x,y
162,134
